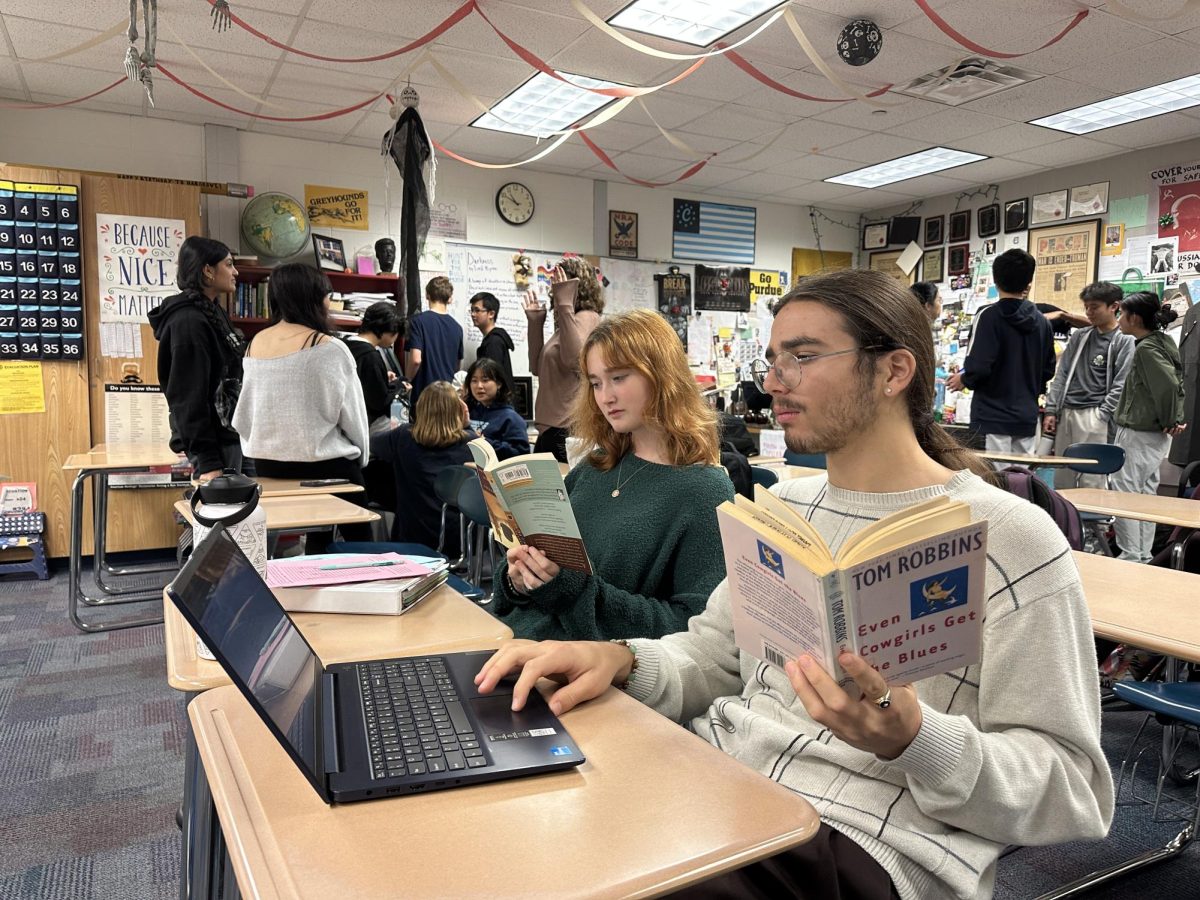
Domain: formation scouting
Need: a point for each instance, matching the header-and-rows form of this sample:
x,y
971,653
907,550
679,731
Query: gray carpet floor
x,y
91,770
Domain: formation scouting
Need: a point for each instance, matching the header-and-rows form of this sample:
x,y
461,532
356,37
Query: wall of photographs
x,y
41,272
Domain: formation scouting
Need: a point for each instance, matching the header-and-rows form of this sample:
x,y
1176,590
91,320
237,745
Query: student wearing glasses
x,y
645,497
497,344
920,787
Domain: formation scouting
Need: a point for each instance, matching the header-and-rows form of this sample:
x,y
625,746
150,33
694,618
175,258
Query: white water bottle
x,y
231,499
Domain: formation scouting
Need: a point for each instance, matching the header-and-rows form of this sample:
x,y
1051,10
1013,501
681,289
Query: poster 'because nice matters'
x,y
136,258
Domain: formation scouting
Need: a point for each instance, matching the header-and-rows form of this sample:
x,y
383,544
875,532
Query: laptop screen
x,y
229,605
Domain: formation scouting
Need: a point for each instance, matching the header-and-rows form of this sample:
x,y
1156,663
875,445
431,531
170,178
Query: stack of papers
x,y
385,584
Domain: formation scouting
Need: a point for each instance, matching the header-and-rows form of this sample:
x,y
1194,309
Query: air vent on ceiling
x,y
968,80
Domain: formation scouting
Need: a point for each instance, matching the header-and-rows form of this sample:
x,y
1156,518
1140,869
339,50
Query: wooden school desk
x,y
1149,607
1033,461
304,512
1146,507
445,621
778,465
96,466
653,809
291,487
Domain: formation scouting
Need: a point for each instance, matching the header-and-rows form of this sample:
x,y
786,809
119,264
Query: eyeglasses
x,y
789,368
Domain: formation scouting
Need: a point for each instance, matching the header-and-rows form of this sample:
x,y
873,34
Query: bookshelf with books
x,y
250,305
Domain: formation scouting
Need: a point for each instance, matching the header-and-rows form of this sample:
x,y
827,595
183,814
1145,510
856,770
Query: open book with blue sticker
x,y
906,593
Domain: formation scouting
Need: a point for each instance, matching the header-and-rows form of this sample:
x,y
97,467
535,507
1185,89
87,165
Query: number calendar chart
x,y
41,272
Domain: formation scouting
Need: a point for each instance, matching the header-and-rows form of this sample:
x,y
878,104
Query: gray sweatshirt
x,y
303,407
1120,355
1008,751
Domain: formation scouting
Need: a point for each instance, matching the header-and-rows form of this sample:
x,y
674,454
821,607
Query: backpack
x,y
738,467
1022,482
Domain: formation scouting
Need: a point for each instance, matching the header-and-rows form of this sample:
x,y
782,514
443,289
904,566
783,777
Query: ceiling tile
x,y
994,170
876,148
765,183
818,192
1038,98
1009,139
730,120
816,166
947,125
1065,153
1126,69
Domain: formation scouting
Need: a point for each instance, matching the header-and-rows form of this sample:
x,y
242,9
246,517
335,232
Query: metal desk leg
x,y
100,563
75,594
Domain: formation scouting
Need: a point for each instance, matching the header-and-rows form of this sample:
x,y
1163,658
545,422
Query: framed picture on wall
x,y
1016,215
959,259
875,236
1048,207
1089,199
960,226
885,262
934,231
331,253
932,264
989,220
1067,257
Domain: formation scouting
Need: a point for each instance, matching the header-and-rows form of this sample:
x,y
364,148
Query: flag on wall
x,y
713,231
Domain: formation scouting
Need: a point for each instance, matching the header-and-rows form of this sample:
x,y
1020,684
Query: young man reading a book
x,y
919,786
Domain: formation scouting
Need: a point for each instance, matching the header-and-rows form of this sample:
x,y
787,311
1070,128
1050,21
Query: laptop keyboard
x,y
415,721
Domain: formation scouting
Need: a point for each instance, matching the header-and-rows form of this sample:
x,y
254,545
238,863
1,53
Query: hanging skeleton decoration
x,y
408,144
138,66
221,15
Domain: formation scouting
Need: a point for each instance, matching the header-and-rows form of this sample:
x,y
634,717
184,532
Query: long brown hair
x,y
591,294
877,311
641,340
439,419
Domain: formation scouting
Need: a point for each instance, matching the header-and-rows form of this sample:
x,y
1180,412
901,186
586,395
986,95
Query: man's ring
x,y
885,701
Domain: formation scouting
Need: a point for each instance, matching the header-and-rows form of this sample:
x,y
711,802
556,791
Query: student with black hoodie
x,y
496,344
491,411
380,327
200,358
1009,360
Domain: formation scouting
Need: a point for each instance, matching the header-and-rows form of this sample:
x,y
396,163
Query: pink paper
x,y
366,265
299,571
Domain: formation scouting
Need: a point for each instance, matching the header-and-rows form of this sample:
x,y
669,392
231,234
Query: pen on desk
x,y
361,565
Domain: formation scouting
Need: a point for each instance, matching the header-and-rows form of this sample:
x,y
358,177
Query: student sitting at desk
x,y
437,438
919,786
645,498
490,407
301,413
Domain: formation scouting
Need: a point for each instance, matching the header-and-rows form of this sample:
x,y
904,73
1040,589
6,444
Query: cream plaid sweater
x,y
1008,751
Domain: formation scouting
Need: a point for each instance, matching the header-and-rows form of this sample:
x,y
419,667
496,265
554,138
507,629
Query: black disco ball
x,y
859,42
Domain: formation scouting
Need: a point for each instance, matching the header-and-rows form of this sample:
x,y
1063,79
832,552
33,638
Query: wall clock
x,y
514,202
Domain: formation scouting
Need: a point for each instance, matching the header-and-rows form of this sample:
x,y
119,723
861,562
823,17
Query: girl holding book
x,y
1149,412
489,404
645,497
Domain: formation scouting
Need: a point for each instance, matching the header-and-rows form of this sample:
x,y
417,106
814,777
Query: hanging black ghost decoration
x,y
859,42
408,145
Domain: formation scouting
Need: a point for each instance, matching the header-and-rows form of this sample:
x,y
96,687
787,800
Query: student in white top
x,y
1083,396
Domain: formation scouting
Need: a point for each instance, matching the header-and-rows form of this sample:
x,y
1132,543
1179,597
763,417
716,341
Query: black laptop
x,y
369,729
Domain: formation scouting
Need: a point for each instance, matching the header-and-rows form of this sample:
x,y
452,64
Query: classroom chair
x,y
1189,480
812,460
764,476
1109,458
446,486
407,549
479,535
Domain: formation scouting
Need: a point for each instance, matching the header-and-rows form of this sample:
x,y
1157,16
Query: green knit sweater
x,y
655,552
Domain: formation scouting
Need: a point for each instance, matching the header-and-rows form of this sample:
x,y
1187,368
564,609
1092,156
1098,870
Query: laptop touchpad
x,y
495,715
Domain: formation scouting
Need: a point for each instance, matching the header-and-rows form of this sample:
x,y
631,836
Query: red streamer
x,y
63,103
604,158
749,68
453,19
542,66
213,100
984,51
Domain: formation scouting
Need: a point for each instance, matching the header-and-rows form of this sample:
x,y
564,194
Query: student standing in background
x,y
199,353
578,301
645,497
380,327
497,344
1149,413
434,348
1083,397
489,403
1009,361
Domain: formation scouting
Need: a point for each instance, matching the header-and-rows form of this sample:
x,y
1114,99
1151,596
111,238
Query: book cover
x,y
913,609
528,504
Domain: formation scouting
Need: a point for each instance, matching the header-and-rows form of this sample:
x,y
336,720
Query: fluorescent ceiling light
x,y
544,105
1143,104
915,164
698,22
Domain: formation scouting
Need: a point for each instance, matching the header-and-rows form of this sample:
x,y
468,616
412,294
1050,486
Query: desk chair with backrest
x,y
811,460
764,476
479,535
446,486
1109,458
1189,480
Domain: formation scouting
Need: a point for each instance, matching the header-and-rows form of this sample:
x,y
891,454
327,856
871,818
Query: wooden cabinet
x,y
250,307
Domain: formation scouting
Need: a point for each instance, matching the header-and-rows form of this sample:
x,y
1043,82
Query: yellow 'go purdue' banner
x,y
334,207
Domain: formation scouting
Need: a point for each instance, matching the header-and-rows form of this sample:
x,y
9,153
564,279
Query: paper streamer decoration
x,y
815,58
984,51
106,35
762,77
102,90
604,158
317,117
